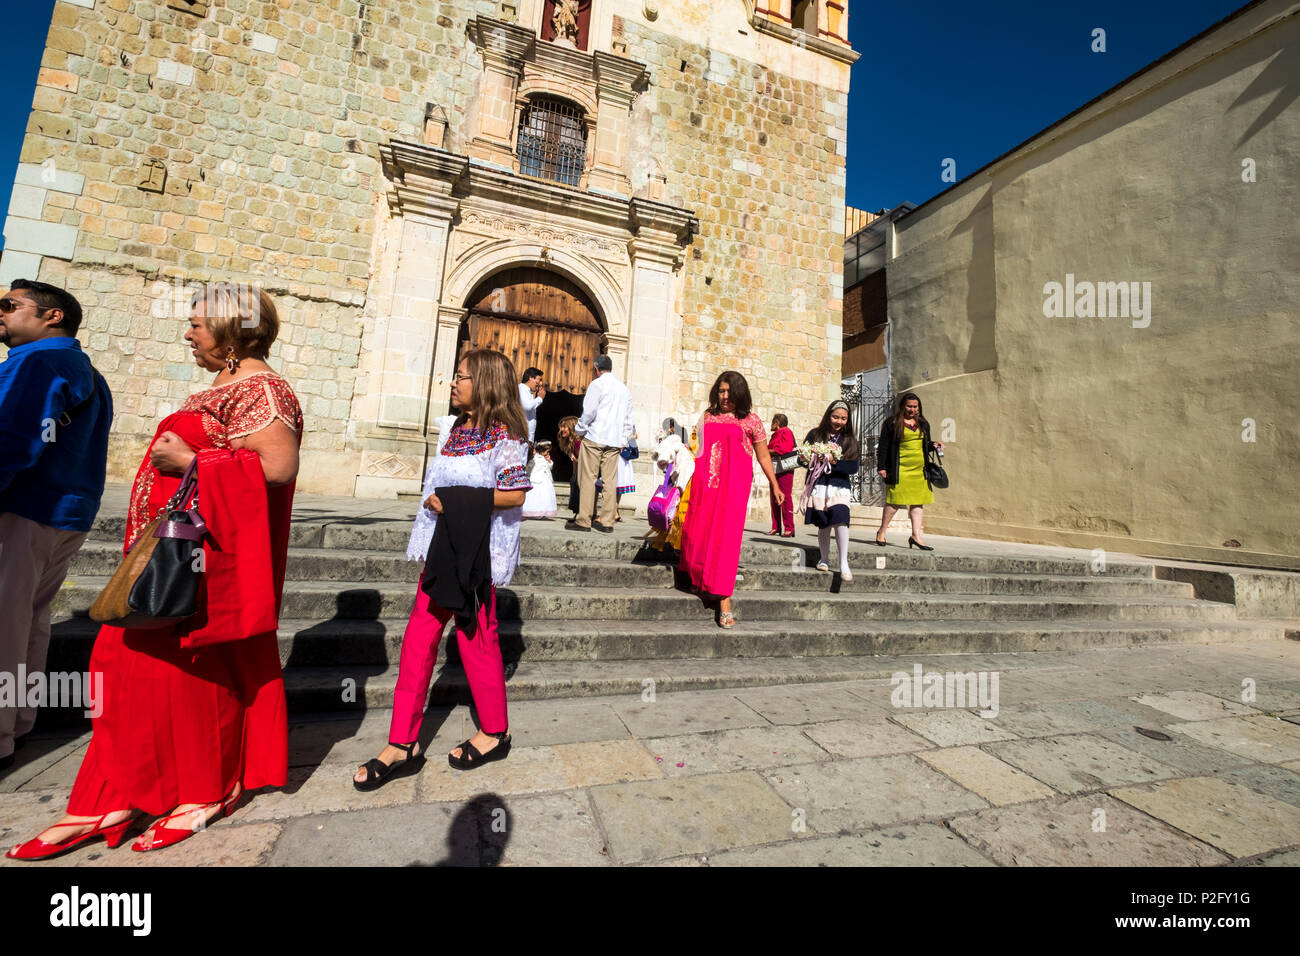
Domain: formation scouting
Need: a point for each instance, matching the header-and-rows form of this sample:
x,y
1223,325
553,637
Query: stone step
x,y
322,600
380,567
388,540
326,689
352,645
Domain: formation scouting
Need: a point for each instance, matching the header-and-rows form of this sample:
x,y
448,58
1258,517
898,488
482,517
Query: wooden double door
x,y
543,320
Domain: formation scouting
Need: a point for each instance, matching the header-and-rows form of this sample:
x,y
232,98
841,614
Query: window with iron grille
x,y
552,140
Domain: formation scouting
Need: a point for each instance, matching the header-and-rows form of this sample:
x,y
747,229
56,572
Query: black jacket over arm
x,y
887,450
458,568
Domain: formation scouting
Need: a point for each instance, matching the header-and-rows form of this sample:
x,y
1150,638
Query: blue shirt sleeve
x,y
32,397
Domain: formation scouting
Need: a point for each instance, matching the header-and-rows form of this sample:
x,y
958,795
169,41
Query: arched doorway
x,y
543,319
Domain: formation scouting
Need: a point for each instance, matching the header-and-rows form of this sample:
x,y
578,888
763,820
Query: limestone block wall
x,y
1169,429
261,121
239,141
750,132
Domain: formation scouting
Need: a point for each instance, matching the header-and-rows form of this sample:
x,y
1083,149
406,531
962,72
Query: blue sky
x,y
938,79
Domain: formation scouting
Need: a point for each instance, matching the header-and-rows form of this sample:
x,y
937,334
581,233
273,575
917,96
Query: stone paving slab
x,y
1051,718
799,705
320,789
535,723
539,769
1179,751
925,844
728,750
662,819
222,844
38,756
1277,698
1233,818
1276,782
1193,705
982,773
687,712
953,728
869,792
869,737
1079,763
1262,739
1062,832
417,834
548,829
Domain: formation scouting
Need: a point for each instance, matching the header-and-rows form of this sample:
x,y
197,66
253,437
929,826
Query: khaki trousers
x,y
593,459
34,559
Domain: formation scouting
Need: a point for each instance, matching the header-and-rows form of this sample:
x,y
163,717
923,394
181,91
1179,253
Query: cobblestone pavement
x,y
1172,755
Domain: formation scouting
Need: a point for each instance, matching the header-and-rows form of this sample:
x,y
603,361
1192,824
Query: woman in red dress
x,y
193,715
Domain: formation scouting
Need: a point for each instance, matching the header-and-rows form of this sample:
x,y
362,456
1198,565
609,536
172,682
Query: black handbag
x,y
935,474
157,583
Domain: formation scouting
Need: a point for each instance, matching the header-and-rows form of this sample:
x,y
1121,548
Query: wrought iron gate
x,y
870,409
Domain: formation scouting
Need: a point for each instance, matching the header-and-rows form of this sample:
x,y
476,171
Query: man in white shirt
x,y
531,393
605,428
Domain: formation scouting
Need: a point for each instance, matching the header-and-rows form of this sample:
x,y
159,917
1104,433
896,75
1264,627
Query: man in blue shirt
x,y
55,412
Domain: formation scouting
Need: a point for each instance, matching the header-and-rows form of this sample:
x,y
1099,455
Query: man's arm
x,y
590,402
32,397
527,398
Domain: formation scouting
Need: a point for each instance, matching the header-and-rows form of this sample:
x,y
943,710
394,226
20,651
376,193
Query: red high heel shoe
x,y
38,849
164,836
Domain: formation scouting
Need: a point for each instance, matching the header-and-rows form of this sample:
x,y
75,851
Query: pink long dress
x,y
715,523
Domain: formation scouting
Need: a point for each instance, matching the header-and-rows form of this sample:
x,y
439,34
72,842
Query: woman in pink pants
x,y
481,461
781,448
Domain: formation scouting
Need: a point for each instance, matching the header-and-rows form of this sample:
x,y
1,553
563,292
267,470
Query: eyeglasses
x,y
462,378
8,305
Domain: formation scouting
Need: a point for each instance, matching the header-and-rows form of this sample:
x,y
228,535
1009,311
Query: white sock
x,y
842,544
824,544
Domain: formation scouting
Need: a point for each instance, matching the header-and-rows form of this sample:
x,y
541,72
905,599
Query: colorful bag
x,y
663,504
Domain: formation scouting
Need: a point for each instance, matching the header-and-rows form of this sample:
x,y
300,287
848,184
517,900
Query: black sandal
x,y
379,773
470,757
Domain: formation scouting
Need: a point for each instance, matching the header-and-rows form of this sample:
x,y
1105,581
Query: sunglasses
x,y
8,305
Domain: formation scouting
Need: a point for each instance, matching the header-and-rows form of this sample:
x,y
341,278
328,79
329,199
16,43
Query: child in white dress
x,y
540,500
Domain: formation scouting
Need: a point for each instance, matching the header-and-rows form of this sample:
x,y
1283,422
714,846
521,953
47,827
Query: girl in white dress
x,y
540,501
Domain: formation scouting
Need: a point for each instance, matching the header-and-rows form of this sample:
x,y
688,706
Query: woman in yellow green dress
x,y
900,458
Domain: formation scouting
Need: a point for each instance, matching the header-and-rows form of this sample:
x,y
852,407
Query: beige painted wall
x,y
1091,431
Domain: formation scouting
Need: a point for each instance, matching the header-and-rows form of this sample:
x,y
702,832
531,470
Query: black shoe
x,y
470,758
20,742
597,526
913,543
879,543
379,773
574,526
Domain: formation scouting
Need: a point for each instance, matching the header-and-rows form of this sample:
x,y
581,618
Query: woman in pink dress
x,y
730,436
193,714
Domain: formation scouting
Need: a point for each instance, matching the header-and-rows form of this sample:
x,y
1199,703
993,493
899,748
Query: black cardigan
x,y
887,450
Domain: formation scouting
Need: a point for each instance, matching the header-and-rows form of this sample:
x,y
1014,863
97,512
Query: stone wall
x,y
242,144
1171,432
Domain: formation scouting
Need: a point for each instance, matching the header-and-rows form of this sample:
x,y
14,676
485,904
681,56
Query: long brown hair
x,y
496,393
896,423
739,394
565,441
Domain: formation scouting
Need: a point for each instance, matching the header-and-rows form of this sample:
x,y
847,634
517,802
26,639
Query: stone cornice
x,y
836,51
618,73
433,183
424,180
504,43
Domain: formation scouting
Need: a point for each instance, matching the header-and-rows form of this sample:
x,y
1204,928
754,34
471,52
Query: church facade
x,y
657,180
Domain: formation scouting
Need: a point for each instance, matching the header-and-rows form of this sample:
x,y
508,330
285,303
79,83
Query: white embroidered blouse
x,y
467,459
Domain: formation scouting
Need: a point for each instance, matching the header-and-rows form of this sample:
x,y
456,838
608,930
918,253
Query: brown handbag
x,y
156,584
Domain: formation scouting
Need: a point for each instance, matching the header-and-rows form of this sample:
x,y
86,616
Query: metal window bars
x,y
552,141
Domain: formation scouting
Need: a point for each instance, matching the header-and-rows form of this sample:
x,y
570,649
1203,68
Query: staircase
x,y
598,614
